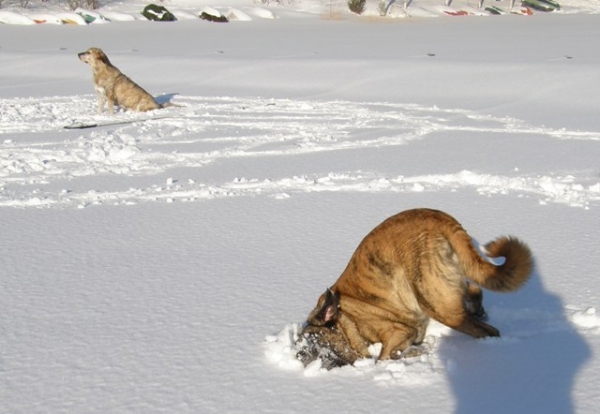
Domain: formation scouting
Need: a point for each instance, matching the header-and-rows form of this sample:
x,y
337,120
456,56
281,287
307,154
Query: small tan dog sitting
x,y
114,88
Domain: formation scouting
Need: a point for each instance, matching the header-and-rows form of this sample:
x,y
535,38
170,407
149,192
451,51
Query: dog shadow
x,y
530,369
163,99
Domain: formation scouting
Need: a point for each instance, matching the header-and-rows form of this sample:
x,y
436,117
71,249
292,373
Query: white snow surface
x,y
166,264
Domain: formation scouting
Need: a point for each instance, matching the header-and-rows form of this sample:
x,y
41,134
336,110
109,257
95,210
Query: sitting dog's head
x,y
93,56
322,339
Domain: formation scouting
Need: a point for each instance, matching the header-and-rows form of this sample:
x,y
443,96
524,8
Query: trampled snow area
x,y
165,264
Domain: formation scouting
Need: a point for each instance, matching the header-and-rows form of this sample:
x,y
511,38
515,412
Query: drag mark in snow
x,y
37,155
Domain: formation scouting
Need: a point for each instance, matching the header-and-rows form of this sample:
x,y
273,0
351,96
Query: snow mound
x,y
281,350
236,14
45,18
115,16
71,18
181,14
211,11
586,319
263,13
8,17
91,16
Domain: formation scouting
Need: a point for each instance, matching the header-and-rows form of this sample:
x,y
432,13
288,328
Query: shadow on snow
x,y
530,369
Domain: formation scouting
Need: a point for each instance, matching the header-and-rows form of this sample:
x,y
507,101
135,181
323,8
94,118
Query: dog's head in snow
x,y
321,337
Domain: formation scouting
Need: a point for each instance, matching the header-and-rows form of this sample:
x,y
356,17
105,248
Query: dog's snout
x,y
83,56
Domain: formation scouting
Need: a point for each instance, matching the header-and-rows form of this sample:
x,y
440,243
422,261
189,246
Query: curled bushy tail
x,y
516,269
507,277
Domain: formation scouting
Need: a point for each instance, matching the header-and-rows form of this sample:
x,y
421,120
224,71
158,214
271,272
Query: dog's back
x,y
130,95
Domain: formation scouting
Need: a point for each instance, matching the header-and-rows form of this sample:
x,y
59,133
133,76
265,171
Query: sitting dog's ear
x,y
327,310
103,58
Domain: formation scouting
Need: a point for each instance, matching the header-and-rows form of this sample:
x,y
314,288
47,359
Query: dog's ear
x,y
327,310
102,57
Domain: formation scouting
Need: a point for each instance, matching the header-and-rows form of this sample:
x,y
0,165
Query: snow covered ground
x,y
163,265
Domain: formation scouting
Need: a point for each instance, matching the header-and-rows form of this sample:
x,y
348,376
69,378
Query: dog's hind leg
x,y
450,310
474,301
446,295
448,305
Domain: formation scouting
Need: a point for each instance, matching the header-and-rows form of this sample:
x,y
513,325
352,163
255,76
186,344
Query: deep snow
x,y
163,265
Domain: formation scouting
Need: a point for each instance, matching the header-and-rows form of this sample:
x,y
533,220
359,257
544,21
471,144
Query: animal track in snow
x,y
39,161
